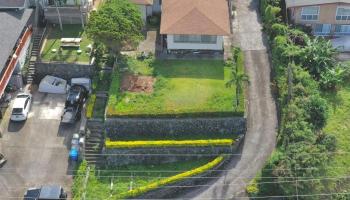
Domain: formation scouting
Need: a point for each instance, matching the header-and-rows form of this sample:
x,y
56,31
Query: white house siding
x,y
173,46
149,11
157,8
143,11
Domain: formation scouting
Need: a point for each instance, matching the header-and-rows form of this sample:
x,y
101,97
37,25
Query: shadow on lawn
x,y
198,69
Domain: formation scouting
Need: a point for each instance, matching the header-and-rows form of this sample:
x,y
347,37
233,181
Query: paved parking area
x,y
37,150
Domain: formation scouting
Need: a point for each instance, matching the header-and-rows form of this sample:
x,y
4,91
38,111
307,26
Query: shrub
x,y
317,111
167,143
90,106
173,179
78,181
252,189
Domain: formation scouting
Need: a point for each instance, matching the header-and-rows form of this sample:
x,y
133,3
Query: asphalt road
x,y
37,150
262,118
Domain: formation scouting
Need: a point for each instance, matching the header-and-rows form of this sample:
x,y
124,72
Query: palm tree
x,y
238,80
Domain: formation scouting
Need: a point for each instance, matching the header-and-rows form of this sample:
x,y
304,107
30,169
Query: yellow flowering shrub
x,y
173,179
167,143
90,106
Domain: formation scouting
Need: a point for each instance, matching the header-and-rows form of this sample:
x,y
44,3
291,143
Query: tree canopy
x,y
117,23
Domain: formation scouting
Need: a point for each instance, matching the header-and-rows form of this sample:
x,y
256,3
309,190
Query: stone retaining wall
x,y
125,156
63,70
175,126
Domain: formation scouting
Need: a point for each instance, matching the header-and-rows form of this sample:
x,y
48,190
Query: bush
x,y
317,111
252,189
78,181
167,143
173,179
90,106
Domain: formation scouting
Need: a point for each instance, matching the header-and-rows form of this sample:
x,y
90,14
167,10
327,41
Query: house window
x,y
310,13
201,39
343,13
342,29
322,29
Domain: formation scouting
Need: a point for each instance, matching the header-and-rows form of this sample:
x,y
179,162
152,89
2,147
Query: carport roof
x,y
12,24
12,3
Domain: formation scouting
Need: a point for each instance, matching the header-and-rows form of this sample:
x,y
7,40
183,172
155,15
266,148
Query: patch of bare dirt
x,y
136,83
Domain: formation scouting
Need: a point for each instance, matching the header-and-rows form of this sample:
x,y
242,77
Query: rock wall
x,y
125,156
176,126
63,70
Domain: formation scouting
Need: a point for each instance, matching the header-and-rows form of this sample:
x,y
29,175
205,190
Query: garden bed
x,y
182,88
53,52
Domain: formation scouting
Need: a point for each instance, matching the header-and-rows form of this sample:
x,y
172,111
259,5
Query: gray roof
x,y
12,24
12,3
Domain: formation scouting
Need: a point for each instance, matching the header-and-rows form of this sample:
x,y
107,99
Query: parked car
x,y
71,113
21,107
77,95
2,160
52,192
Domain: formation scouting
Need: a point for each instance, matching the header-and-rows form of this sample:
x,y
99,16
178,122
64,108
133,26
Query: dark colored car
x,y
2,160
71,113
52,192
76,95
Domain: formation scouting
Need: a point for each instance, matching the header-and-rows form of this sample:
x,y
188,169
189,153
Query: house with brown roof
x,y
195,24
325,17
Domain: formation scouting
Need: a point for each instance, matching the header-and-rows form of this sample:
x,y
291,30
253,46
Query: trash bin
x,y
73,154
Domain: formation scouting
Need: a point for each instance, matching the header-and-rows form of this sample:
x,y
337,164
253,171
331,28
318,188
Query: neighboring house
x,y
70,11
14,4
195,24
325,17
148,7
15,37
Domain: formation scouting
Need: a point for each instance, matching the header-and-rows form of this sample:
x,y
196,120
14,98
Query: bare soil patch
x,y
137,83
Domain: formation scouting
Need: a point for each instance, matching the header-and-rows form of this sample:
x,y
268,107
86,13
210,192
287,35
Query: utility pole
x,y
59,16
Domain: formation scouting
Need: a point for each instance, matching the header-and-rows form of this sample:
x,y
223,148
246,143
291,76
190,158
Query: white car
x,y
21,107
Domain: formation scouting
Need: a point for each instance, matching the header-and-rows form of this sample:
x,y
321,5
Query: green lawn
x,y
99,183
338,125
183,87
68,54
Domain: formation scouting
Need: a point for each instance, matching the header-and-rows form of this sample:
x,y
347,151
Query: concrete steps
x,y
34,54
94,143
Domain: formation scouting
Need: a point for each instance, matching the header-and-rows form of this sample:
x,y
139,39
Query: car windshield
x,y
22,96
17,111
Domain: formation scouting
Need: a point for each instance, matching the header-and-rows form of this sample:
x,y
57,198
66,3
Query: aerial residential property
x,y
174,99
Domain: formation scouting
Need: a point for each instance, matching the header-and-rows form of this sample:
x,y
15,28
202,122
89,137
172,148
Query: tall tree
x,y
238,78
116,24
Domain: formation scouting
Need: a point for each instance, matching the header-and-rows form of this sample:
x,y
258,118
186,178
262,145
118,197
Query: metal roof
x,y
12,24
12,3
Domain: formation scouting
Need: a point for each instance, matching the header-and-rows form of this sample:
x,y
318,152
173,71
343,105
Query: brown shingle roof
x,y
12,3
142,2
197,17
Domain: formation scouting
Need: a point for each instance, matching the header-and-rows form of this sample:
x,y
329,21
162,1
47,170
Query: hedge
x,y
167,143
173,179
90,106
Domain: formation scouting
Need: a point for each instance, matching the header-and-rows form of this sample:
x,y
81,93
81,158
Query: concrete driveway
x,y
37,150
261,133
